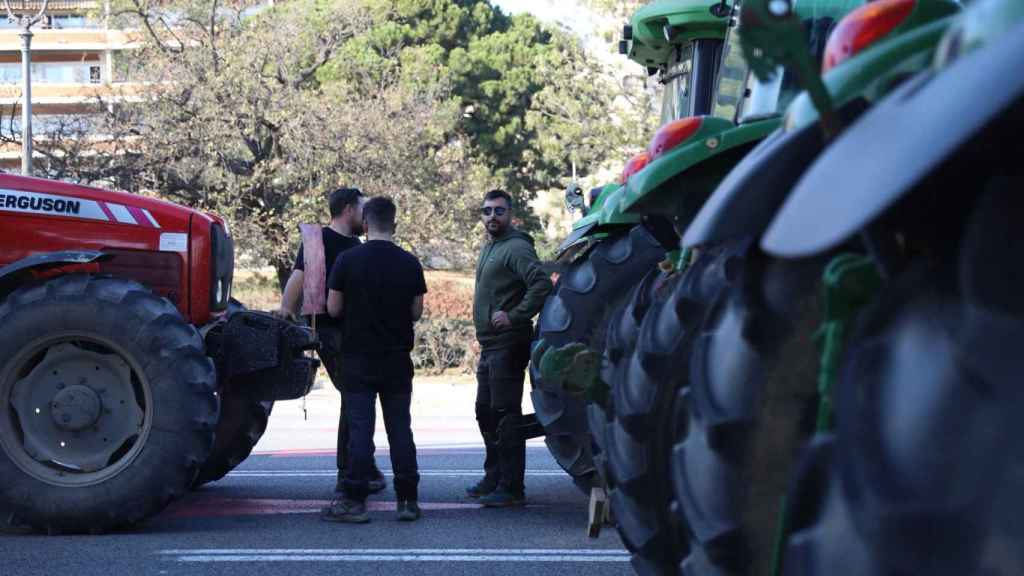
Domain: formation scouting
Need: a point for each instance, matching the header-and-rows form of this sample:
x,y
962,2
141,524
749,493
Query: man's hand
x,y
500,320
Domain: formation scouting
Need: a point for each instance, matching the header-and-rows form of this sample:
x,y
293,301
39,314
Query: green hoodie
x,y
508,278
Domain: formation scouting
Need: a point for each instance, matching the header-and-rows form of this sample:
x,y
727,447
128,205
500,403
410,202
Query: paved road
x,y
263,519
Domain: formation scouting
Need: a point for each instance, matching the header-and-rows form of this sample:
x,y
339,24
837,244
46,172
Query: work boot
x,y
503,498
408,511
481,488
345,511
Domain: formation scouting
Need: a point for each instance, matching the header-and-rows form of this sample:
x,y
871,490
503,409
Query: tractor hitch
x,y
264,356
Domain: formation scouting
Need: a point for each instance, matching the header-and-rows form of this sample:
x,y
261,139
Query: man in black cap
x,y
346,206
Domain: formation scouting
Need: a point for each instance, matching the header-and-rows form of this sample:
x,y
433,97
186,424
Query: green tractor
x,y
608,251
766,351
695,486
921,470
646,368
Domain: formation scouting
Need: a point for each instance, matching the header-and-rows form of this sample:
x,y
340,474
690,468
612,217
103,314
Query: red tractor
x,y
127,373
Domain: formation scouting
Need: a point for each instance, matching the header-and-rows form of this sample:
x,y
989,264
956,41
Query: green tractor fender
x,y
892,147
652,190
604,215
752,192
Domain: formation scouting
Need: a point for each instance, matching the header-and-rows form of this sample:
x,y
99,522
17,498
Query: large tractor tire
x,y
639,436
577,312
620,342
243,420
109,404
923,473
749,410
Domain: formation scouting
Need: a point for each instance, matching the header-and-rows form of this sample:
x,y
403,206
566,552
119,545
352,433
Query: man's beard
x,y
496,230
356,228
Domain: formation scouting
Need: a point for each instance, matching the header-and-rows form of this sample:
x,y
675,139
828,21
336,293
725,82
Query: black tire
x,y
647,380
243,420
620,343
158,361
578,310
924,471
749,410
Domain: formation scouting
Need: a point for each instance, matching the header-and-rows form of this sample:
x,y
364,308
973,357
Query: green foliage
x,y
257,112
532,100
442,344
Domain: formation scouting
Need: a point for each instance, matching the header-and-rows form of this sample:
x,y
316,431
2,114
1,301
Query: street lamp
x,y
26,21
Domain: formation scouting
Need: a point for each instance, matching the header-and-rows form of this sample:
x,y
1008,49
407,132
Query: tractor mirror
x,y
574,199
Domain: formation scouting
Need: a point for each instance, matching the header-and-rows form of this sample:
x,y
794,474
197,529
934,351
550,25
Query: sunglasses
x,y
498,210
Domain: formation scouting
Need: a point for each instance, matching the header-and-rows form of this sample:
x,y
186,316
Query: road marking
x,y
211,507
464,449
331,473
398,555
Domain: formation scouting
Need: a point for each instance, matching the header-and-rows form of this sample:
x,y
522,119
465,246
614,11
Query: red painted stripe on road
x,y
215,507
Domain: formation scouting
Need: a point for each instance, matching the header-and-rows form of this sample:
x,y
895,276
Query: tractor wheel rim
x,y
77,409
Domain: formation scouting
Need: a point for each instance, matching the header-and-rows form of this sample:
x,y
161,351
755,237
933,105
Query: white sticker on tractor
x,y
121,214
35,203
173,242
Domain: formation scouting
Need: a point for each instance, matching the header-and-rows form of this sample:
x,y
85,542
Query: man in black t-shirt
x,y
340,235
377,289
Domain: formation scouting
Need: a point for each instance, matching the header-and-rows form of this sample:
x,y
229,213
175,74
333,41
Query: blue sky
x,y
566,12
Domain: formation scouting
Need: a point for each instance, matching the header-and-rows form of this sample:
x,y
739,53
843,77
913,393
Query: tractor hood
x,y
128,215
715,137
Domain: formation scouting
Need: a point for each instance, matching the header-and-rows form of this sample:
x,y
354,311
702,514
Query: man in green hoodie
x,y
510,291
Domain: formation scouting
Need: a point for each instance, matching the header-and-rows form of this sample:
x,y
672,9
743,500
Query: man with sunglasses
x,y
510,291
346,207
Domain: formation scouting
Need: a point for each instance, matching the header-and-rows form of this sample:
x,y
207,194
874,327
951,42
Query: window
x,y
53,73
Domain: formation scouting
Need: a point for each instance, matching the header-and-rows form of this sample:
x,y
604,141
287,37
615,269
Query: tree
x,y
234,120
257,112
533,100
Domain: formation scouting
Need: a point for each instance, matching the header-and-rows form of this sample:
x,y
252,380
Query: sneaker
x,y
347,511
481,488
408,511
503,498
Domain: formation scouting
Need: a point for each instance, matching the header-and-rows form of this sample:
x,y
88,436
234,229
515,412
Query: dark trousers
x,y
398,423
330,355
499,397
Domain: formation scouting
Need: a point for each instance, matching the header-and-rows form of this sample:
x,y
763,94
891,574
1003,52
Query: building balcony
x,y
33,6
71,39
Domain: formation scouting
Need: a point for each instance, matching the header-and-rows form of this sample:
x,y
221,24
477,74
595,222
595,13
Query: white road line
x,y
507,551
328,473
403,558
398,555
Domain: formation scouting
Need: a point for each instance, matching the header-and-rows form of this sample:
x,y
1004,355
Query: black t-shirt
x,y
334,245
378,281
